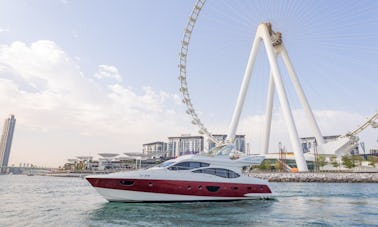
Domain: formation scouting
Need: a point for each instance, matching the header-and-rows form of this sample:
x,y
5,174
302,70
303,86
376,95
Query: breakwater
x,y
319,177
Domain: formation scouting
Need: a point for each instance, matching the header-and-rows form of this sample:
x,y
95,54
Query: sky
x,y
89,77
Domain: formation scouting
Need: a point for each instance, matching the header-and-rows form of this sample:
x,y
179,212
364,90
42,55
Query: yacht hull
x,y
148,190
115,195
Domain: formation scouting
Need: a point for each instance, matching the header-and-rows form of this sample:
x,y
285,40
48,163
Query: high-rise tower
x,y
6,142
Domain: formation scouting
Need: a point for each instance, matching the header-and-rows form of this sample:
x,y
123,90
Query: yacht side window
x,y
188,165
225,173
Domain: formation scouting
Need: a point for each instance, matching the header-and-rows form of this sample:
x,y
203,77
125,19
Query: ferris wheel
x,y
274,48
183,71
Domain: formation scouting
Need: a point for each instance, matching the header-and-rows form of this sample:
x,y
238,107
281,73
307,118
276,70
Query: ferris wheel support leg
x,y
299,156
268,114
302,98
243,90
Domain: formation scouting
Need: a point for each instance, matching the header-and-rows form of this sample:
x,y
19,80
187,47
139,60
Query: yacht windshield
x,y
188,165
224,149
165,164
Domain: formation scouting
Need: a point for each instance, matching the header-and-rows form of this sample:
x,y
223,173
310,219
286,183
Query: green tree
x,y
372,160
278,166
265,165
347,161
335,163
357,160
321,161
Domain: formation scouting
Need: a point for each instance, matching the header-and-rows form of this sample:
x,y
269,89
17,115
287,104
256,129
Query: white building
x,y
105,162
308,144
155,149
185,144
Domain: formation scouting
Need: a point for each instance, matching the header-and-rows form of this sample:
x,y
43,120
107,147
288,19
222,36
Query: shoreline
x,y
322,177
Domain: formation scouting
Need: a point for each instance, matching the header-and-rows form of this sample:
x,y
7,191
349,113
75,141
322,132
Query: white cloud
x,y
62,113
108,71
4,30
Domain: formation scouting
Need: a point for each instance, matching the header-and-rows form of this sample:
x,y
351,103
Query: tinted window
x,y
225,173
127,182
212,188
188,165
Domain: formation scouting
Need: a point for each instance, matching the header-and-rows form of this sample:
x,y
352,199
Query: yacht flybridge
x,y
186,178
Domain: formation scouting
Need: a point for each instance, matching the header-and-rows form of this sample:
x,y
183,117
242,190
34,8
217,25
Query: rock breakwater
x,y
319,177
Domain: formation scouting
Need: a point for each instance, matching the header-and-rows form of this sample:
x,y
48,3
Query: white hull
x,y
115,195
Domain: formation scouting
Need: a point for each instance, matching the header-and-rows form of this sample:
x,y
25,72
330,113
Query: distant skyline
x,y
89,77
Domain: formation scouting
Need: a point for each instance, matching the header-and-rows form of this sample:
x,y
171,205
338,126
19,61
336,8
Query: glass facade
x,y
6,142
183,145
155,150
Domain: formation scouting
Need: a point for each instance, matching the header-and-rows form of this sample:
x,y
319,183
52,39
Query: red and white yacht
x,y
186,178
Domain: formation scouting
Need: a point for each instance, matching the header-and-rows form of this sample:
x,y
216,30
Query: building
x,y
155,149
6,142
105,162
239,142
308,144
373,152
185,144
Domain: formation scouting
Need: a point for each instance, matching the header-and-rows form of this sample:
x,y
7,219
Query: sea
x,y
62,201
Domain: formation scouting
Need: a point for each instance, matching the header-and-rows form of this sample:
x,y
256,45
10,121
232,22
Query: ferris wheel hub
x,y
276,37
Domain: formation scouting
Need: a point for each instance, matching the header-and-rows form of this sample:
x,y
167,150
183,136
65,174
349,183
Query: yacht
x,y
186,178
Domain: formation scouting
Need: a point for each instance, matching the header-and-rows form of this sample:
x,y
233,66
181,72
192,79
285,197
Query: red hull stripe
x,y
180,187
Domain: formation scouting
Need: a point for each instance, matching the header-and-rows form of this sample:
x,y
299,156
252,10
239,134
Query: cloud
x,y
3,30
108,71
62,112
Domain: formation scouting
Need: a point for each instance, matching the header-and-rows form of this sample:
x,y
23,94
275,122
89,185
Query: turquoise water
x,y
53,201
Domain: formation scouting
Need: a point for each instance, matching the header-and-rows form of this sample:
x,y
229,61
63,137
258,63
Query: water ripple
x,y
49,201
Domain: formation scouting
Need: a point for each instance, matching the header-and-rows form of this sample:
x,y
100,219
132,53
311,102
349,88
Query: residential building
x,y
155,149
185,144
374,152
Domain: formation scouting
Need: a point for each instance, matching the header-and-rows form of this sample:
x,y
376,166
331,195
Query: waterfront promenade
x,y
325,177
